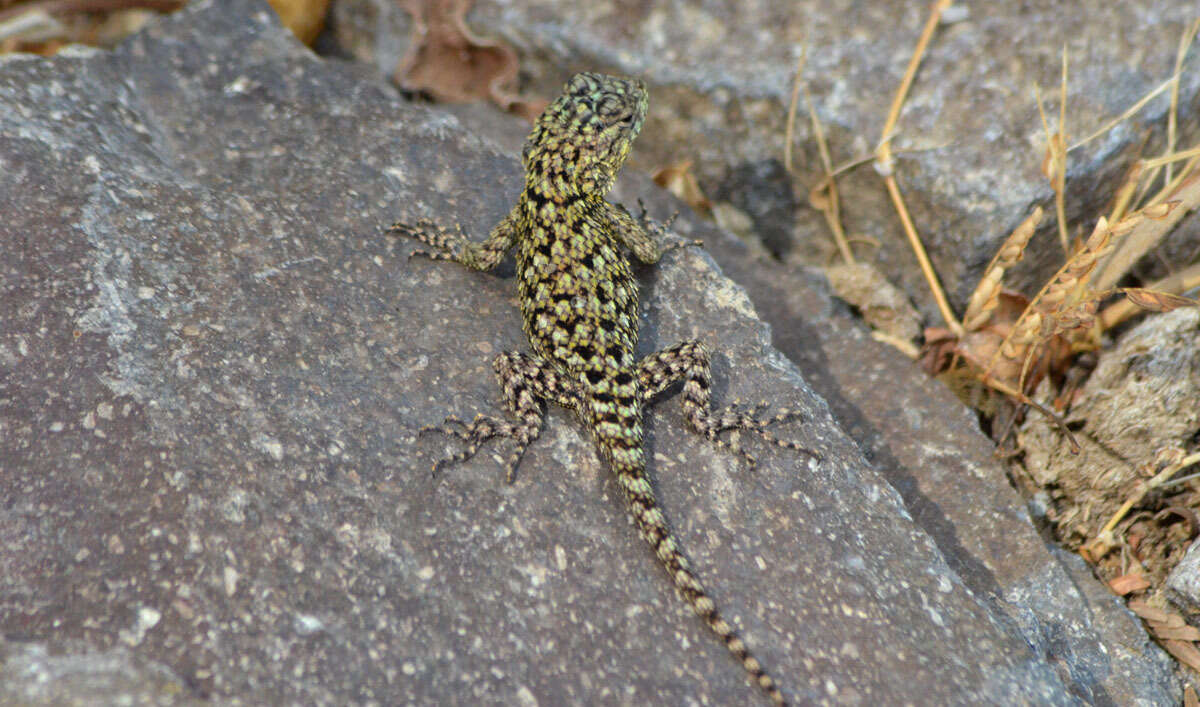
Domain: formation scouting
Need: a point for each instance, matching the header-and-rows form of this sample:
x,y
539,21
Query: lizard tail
x,y
653,526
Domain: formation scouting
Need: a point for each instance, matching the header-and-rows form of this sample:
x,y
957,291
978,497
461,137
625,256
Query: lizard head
x,y
583,137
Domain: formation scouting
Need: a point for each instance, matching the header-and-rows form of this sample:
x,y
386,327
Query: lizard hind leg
x,y
688,361
527,381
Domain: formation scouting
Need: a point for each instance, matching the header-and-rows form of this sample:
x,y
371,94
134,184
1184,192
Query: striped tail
x,y
629,465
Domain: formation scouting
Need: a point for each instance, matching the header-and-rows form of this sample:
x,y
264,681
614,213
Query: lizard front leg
x,y
527,382
453,244
688,361
644,237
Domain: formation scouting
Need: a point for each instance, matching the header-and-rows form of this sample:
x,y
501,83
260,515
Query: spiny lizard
x,y
579,301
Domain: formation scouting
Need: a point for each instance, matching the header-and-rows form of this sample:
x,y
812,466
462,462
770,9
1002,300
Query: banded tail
x,y
628,462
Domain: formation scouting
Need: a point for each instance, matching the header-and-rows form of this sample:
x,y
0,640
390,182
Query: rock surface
x,y
214,366
970,142
929,448
1183,583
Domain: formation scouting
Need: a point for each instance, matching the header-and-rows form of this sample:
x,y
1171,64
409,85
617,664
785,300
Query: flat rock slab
x,y
214,368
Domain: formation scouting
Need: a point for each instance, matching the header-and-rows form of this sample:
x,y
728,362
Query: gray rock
x,y
929,448
32,676
1184,581
215,365
721,74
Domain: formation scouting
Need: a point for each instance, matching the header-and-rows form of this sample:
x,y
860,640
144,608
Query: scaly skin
x,y
579,300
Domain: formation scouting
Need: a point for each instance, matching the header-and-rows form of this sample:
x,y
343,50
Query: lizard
x,y
579,304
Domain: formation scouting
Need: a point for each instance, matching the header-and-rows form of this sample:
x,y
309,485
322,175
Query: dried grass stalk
x,y
1161,217
987,293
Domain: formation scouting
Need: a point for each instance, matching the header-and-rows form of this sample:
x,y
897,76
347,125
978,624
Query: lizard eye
x,y
608,107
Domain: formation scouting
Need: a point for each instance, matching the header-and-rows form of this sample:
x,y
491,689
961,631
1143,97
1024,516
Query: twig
x,y
884,165
1185,41
832,208
789,130
1124,116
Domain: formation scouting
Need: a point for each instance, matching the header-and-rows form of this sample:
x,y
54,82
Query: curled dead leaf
x,y
451,63
680,180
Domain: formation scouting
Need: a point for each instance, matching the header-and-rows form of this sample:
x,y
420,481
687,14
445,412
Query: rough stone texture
x,y
32,676
1139,401
973,99
930,449
214,368
1184,581
721,74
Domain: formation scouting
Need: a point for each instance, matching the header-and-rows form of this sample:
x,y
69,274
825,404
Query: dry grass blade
x,y
986,295
1124,116
824,196
1126,191
1173,157
1185,41
884,165
1054,163
790,125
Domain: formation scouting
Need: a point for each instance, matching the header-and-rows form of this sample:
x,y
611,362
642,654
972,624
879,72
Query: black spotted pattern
x,y
579,302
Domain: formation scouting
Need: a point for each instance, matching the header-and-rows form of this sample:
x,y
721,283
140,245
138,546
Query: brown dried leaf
x,y
1185,653
1180,633
1157,301
1150,613
939,350
1189,697
680,180
1128,584
448,61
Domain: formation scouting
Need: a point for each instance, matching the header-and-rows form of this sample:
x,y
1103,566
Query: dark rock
x,y
215,365
929,448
